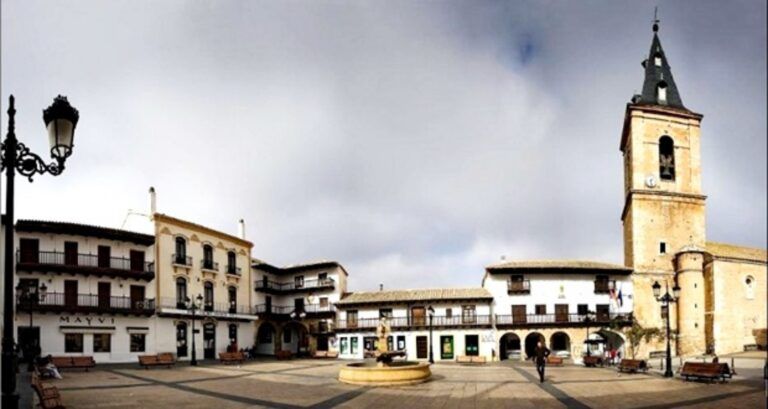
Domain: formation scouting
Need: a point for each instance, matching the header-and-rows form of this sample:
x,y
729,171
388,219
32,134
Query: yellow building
x,y
722,303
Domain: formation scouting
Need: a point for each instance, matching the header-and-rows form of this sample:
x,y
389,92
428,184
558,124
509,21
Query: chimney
x,y
241,229
152,201
381,287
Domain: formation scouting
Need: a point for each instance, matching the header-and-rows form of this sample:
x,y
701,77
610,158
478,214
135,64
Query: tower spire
x,y
659,86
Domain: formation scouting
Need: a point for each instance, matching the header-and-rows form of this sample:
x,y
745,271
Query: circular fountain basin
x,y
395,374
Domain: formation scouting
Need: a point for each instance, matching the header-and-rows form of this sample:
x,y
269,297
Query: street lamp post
x,y
431,316
588,319
194,306
60,120
665,301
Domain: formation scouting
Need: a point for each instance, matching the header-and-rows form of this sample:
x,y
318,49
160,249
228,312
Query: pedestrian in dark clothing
x,y
540,357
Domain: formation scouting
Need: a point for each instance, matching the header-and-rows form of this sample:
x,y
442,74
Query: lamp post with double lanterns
x,y
431,312
194,306
665,301
60,120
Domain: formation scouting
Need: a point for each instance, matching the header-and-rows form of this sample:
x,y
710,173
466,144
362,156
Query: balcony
x,y
208,265
604,286
561,320
87,303
234,270
519,287
273,287
87,264
417,323
284,311
181,260
207,309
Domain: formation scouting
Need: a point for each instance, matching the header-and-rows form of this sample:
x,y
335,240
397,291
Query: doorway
x,y
421,347
209,340
446,347
509,346
472,345
530,343
29,342
181,339
70,293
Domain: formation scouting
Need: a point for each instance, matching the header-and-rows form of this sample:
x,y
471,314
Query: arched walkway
x,y
560,344
266,339
530,343
294,338
509,346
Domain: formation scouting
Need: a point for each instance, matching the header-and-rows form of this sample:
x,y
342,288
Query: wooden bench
x,y
67,362
633,365
554,360
470,359
705,370
48,396
231,357
592,361
282,355
325,354
164,359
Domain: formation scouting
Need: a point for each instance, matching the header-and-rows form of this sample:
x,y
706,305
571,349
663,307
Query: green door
x,y
446,347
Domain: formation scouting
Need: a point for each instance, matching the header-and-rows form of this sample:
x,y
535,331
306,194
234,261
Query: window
x,y
449,313
352,318
401,342
102,342
231,262
322,276
208,257
749,282
602,311
73,342
181,251
343,345
582,309
181,292
232,333
298,281
232,300
323,302
370,343
662,92
657,59
468,314
208,296
666,158
138,342
541,309
353,345
385,312
662,248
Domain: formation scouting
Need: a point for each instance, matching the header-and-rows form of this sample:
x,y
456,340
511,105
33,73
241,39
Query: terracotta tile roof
x,y
434,294
107,233
558,266
722,250
296,268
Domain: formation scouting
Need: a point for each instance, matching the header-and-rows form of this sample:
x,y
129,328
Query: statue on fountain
x,y
383,355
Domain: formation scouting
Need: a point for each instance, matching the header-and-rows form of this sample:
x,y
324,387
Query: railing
x,y
86,303
418,322
216,308
272,309
209,265
59,258
181,260
266,285
234,270
561,319
604,286
519,287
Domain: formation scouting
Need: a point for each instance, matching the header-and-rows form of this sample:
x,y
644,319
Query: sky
x,y
415,142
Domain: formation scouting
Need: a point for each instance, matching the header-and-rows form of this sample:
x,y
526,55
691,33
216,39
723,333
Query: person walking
x,y
540,357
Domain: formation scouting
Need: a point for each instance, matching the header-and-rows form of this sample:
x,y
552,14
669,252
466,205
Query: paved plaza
x,y
313,384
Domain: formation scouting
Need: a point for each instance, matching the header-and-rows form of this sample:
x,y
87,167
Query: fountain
x,y
385,371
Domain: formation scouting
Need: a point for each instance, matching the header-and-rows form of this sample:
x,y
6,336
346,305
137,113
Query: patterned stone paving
x,y
312,384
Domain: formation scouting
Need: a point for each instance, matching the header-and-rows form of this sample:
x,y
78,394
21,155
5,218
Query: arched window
x,y
231,262
661,91
657,59
208,295
208,257
666,158
232,300
749,283
181,292
181,251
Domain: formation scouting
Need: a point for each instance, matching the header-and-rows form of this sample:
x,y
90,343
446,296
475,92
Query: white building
x,y
461,323
84,290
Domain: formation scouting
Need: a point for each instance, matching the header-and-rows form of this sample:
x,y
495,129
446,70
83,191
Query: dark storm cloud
x,y
415,142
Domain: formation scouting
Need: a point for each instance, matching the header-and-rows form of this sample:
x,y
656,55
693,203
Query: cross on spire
x,y
655,19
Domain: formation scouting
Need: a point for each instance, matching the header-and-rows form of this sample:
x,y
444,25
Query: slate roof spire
x,y
659,86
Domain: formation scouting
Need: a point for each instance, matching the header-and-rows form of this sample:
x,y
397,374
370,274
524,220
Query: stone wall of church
x,y
739,304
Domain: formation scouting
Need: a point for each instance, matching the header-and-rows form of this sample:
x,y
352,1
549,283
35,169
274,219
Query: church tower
x,y
664,209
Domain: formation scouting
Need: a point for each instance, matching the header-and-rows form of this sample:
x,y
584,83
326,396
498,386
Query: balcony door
x,y
137,296
137,260
418,315
29,251
561,312
104,256
70,253
70,293
518,314
104,293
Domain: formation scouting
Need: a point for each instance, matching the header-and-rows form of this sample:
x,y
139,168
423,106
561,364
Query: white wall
x,y
485,338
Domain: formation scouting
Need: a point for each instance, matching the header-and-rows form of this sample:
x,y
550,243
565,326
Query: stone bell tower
x,y
664,209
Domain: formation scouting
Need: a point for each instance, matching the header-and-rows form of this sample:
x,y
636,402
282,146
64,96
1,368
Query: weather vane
x,y
655,19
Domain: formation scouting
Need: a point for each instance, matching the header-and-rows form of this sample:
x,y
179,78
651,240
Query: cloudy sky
x,y
415,142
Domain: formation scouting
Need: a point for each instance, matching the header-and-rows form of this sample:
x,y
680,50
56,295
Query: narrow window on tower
x,y
666,158
662,92
662,248
657,59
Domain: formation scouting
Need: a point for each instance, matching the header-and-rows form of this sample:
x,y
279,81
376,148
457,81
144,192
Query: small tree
x,y
637,333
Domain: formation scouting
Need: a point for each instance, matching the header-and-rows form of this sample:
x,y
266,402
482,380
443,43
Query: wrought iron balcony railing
x,y
294,286
562,319
215,308
181,260
208,265
85,303
234,270
418,322
84,263
519,287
